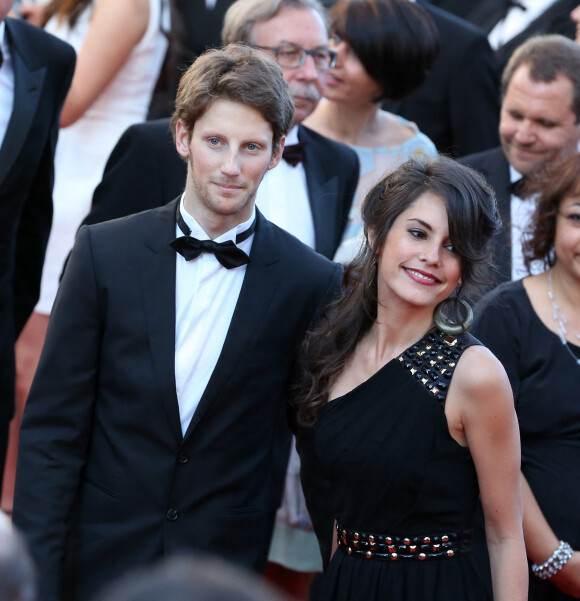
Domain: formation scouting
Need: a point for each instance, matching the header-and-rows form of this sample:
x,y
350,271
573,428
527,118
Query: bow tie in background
x,y
294,153
518,187
227,253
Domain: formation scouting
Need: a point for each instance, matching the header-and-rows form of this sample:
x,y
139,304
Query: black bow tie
x,y
227,253
294,153
518,187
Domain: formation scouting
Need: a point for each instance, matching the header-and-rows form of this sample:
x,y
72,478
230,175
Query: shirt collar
x,y
3,44
515,175
198,232
292,137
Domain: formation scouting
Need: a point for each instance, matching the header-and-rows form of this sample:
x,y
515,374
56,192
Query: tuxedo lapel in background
x,y
158,293
323,190
555,19
28,84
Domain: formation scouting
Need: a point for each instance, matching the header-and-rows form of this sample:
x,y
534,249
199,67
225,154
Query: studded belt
x,y
395,548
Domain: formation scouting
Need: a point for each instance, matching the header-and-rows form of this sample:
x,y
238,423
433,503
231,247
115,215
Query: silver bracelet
x,y
556,562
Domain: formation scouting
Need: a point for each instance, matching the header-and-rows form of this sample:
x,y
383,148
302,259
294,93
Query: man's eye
x,y
214,141
289,53
252,147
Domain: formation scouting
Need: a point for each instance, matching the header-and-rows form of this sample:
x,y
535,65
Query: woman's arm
x,y
480,411
116,28
541,542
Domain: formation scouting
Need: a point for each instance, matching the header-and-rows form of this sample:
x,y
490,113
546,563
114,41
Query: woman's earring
x,y
448,327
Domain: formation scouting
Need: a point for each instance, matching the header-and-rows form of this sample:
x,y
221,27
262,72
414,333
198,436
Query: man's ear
x,y
277,153
181,139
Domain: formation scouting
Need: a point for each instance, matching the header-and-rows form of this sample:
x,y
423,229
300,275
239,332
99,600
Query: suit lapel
x,y
323,190
28,85
260,283
158,292
555,19
498,175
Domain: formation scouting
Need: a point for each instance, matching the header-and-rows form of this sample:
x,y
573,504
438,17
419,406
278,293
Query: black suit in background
x,y
144,171
494,166
556,19
106,481
43,67
458,106
488,13
199,27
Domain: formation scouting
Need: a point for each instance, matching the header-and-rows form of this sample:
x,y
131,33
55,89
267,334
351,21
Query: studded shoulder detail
x,y
433,359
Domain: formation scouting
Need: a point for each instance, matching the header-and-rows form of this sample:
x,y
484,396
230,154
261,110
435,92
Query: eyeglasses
x,y
293,57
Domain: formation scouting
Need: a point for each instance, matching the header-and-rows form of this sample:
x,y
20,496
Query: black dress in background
x,y
546,385
380,460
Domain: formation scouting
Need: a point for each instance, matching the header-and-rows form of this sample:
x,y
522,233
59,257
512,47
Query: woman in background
x,y
533,327
406,419
385,49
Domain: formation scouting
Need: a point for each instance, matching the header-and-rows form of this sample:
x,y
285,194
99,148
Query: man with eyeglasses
x,y
310,193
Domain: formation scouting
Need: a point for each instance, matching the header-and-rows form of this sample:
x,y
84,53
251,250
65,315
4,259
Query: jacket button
x,y
182,458
172,515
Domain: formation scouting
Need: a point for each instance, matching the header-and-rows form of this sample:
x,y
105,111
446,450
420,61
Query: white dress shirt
x,y
516,21
206,294
521,211
283,198
6,84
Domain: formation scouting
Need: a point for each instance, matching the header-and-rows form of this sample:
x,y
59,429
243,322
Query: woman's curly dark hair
x,y
557,184
473,220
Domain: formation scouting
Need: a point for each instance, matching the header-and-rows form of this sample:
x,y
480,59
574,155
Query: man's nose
x,y
231,164
307,71
525,132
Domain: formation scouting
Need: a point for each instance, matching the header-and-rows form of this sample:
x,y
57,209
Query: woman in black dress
x,y
533,327
405,422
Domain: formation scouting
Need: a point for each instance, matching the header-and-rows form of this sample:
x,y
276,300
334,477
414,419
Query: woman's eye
x,y
417,233
450,247
575,217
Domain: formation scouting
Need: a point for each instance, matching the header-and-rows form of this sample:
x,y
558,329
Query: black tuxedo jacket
x,y
487,14
494,166
458,105
201,27
145,171
43,68
556,19
105,479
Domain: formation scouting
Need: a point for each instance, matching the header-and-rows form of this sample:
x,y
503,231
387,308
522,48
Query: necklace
x,y
560,319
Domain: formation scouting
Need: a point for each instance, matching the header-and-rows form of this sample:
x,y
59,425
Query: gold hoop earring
x,y
448,327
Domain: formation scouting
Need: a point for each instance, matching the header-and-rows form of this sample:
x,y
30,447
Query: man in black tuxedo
x,y
35,73
540,125
156,421
458,104
310,199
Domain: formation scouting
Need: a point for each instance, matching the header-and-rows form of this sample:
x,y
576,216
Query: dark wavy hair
x,y
396,41
473,221
561,182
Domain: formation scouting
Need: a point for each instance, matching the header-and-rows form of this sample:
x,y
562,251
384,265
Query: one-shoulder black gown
x,y
380,461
